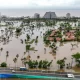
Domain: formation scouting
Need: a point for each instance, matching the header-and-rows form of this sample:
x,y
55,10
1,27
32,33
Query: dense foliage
x,y
3,64
41,64
77,58
61,63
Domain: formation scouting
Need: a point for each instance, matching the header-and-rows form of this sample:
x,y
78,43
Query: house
x,y
52,38
70,35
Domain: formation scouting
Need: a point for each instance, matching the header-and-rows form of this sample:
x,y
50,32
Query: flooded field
x,y
14,46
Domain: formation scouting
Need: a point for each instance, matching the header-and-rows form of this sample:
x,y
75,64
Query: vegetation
x,y
77,35
50,23
15,61
53,47
18,30
41,64
28,47
7,55
27,25
3,64
30,42
77,58
61,63
28,37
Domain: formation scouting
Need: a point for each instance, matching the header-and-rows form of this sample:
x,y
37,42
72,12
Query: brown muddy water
x,y
16,47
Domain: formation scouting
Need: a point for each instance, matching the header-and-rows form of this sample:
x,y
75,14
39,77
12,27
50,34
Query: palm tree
x,y
77,58
67,66
28,47
17,56
4,39
53,47
1,49
44,50
64,58
21,41
61,63
25,40
8,39
7,55
24,53
36,40
23,61
28,57
15,60
38,57
28,37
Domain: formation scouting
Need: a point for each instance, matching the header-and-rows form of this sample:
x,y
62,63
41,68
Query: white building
x,y
68,15
50,15
36,15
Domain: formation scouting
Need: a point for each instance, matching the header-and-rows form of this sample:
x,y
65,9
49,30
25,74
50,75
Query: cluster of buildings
x,y
54,35
50,15
47,15
68,36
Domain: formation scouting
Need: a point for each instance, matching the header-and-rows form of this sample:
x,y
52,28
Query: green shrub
x,y
3,64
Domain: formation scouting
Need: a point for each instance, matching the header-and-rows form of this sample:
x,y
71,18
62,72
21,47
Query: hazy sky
x,y
29,7
39,3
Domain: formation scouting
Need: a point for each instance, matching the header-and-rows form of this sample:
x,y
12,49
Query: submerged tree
x,y
18,31
17,56
61,63
24,53
77,58
28,37
1,49
28,47
3,64
41,64
36,40
15,61
53,47
7,55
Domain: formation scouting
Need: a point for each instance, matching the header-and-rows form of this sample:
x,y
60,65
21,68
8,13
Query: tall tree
x,y
15,61
17,56
7,55
61,63
77,58
24,53
1,49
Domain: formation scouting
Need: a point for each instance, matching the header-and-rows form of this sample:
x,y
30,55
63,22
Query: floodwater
x,y
16,47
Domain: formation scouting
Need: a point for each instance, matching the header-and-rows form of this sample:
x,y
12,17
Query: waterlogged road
x,y
42,73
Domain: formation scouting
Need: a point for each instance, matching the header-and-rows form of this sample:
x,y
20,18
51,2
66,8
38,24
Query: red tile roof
x,y
52,39
70,38
58,39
